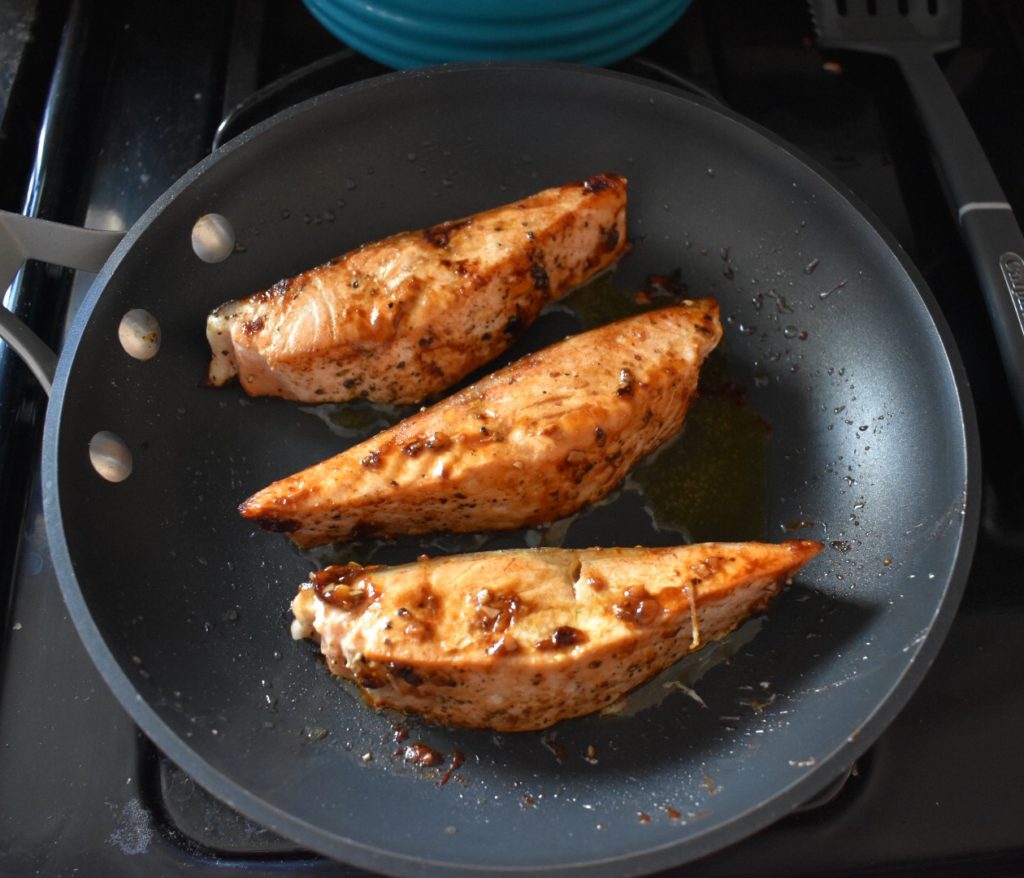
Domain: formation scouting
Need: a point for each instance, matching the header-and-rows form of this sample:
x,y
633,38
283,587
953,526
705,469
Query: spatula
x,y
912,31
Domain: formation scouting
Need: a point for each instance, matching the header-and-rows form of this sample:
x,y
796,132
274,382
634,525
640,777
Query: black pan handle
x,y
23,238
987,223
997,249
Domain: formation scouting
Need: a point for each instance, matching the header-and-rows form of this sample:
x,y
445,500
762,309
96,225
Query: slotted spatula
x,y
912,32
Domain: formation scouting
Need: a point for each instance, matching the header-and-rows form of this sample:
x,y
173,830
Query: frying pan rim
x,y
350,850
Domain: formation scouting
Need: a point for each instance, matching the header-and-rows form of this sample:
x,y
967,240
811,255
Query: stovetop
x,y
106,104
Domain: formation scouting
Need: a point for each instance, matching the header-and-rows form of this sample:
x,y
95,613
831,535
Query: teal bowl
x,y
418,33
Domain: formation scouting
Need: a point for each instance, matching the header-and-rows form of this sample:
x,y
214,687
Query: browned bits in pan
x,y
422,755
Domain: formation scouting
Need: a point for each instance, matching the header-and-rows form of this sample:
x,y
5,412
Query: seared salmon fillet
x,y
518,640
528,444
406,317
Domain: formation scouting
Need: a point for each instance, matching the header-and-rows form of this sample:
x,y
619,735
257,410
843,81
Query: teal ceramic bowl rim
x,y
442,28
403,43
405,37
500,11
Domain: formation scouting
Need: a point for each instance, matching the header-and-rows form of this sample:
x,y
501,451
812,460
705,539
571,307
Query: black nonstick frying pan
x,y
835,356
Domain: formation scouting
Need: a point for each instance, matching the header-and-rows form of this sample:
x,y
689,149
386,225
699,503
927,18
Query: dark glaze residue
x,y
279,289
497,612
438,442
422,755
671,284
458,759
598,183
440,234
563,637
405,672
413,448
343,585
251,327
368,679
637,606
278,525
540,276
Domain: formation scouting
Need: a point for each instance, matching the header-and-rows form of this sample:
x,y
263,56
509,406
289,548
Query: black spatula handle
x,y
997,248
987,223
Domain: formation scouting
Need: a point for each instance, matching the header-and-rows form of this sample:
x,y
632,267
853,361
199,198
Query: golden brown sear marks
x,y
518,640
529,444
406,317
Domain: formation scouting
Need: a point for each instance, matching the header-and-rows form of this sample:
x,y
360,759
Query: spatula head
x,y
883,26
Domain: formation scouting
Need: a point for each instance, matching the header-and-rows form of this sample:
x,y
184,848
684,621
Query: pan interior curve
x,y
830,346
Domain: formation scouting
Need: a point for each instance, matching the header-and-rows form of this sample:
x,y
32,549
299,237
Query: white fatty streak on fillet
x,y
443,637
406,317
529,444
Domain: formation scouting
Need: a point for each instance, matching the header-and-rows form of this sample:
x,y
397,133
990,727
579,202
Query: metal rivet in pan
x,y
139,334
213,237
110,457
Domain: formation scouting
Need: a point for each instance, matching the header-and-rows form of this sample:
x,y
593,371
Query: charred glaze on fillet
x,y
529,444
521,639
406,317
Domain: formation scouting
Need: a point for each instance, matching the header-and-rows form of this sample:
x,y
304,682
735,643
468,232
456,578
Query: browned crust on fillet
x,y
521,639
406,317
529,444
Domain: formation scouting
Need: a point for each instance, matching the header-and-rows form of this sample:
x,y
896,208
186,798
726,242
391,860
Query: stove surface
x,y
144,89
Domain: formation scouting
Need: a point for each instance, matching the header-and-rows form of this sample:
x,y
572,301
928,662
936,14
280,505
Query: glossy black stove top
x,y
136,97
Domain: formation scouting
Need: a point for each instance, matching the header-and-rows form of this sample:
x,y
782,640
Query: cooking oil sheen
x,y
709,482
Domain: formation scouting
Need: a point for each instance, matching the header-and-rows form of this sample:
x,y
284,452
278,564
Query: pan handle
x,y
23,238
987,223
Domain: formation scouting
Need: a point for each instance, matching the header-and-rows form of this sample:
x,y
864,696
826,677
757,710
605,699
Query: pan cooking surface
x,y
828,341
